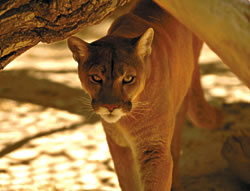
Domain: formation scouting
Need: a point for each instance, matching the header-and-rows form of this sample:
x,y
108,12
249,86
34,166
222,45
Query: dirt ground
x,y
49,142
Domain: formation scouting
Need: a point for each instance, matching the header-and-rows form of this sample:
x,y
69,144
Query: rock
x,y
236,150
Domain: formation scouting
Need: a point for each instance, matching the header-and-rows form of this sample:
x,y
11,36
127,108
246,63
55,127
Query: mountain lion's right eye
x,y
128,79
96,79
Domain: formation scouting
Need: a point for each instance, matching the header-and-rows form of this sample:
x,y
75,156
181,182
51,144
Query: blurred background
x,y
48,141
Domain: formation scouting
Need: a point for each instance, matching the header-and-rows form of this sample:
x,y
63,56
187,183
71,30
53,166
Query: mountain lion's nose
x,y
111,107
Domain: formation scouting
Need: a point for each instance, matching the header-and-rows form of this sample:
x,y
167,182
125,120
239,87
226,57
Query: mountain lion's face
x,y
113,72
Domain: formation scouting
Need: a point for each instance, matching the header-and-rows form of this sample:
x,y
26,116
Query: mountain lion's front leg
x,y
155,167
145,167
124,166
176,144
153,157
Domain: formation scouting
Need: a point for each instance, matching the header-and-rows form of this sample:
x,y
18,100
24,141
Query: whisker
x,y
87,110
86,107
85,99
89,117
139,113
132,116
141,104
86,103
141,108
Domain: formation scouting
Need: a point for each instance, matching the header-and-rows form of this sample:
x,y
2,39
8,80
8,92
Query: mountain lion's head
x,y
113,71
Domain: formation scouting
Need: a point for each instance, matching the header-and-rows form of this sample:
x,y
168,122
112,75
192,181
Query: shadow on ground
x,y
29,86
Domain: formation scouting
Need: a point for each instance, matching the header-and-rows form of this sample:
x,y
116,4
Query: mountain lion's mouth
x,y
110,117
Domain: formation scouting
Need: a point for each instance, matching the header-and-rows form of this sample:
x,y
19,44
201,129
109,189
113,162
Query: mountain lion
x,y
143,79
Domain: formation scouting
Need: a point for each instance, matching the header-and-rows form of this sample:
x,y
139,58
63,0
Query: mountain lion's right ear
x,y
79,48
144,45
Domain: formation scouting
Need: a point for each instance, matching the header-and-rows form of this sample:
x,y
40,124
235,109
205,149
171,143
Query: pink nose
x,y
111,107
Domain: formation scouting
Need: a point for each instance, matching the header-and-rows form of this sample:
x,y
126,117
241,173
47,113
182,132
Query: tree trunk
x,y
24,23
223,24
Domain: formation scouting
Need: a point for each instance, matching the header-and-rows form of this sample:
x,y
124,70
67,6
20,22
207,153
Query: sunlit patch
x,y
241,94
229,88
23,154
90,180
219,92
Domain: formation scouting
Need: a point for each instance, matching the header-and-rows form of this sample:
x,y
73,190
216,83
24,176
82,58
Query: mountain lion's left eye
x,y
128,79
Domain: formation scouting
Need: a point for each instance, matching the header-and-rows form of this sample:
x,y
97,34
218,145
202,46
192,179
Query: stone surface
x,y
51,142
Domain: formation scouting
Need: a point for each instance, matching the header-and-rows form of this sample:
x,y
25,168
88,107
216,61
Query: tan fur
x,y
161,54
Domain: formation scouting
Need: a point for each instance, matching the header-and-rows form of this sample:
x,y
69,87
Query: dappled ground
x,y
48,141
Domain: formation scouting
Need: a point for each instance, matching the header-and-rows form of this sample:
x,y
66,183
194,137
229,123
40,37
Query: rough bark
x,y
223,24
24,23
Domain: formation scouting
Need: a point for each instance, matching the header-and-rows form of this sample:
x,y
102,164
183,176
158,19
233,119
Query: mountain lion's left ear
x,y
144,45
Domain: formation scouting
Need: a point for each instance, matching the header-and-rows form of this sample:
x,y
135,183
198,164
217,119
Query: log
x,y
223,24
25,23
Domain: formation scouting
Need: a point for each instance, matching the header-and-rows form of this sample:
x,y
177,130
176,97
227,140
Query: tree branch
x,y
25,23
